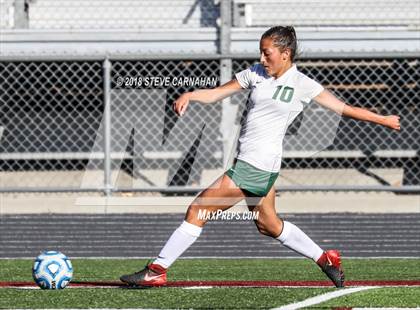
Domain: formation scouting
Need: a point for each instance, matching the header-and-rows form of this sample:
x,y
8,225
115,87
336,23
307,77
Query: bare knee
x,y
195,214
272,229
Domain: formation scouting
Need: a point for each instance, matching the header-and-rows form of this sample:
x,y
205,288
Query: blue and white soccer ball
x,y
52,270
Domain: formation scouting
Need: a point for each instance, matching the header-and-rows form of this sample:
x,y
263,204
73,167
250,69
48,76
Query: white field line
x,y
103,287
324,297
185,288
24,287
197,287
218,257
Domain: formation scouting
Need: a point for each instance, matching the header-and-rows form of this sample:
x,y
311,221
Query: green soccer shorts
x,y
254,181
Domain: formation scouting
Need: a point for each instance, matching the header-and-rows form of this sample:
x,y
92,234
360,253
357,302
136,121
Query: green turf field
x,y
218,298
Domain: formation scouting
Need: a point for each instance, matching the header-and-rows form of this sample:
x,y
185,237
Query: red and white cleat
x,y
152,275
330,263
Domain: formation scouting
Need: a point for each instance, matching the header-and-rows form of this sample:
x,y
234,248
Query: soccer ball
x,y
52,270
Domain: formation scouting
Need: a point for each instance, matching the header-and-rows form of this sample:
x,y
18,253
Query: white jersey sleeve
x,y
248,77
310,88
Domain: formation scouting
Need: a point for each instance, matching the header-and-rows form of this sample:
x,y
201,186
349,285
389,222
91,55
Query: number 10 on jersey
x,y
283,93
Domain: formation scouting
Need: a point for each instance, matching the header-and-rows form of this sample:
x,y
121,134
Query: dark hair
x,y
283,37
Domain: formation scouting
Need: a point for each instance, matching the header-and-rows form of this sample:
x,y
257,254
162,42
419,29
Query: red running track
x,y
104,284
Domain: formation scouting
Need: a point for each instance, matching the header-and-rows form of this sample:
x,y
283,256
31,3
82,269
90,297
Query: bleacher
x,y
153,14
6,14
328,13
109,14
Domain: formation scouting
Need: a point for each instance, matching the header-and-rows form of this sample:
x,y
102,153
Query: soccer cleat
x,y
152,275
330,263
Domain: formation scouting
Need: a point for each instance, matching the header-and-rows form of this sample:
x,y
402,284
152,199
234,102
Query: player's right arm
x,y
206,95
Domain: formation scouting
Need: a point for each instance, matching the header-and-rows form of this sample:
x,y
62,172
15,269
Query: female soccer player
x,y
277,90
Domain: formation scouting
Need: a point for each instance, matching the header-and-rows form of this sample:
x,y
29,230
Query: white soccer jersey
x,y
272,107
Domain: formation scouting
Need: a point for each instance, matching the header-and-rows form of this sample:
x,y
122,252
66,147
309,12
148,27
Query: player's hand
x,y
181,104
393,122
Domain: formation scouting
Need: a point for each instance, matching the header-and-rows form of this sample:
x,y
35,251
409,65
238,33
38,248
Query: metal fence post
x,y
107,127
225,26
228,111
21,19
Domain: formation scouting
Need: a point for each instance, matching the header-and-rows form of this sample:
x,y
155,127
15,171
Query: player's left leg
x,y
288,234
294,238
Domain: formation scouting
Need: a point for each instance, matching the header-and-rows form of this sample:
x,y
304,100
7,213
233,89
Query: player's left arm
x,y
329,101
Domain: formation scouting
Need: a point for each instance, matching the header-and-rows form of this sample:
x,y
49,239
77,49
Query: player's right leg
x,y
221,195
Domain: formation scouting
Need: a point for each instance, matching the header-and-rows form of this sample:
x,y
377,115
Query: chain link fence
x,y
361,153
169,14
53,122
50,114
103,125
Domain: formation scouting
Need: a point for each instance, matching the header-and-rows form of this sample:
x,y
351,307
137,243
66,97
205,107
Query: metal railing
x,y
87,125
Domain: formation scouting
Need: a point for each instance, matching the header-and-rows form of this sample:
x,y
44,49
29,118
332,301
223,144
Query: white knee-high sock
x,y
181,239
295,239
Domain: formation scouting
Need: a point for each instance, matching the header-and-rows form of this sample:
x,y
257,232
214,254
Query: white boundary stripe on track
x,y
324,297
